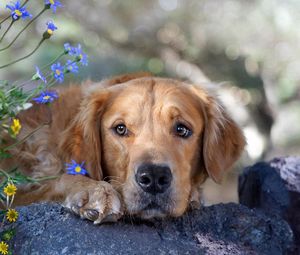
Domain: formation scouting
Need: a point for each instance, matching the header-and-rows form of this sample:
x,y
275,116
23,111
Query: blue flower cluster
x,y
57,69
53,72
77,53
17,11
74,168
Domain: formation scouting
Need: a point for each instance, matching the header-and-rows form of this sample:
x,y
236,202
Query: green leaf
x,y
4,154
8,234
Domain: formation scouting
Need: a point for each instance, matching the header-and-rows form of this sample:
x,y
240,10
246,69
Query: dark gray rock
x,y
274,187
289,170
260,186
219,229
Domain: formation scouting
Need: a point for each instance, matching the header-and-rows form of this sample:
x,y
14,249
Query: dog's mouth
x,y
152,210
146,205
154,207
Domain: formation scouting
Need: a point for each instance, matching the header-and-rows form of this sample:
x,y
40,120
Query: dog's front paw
x,y
98,202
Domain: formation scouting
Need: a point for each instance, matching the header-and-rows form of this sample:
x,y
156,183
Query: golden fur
x,y
80,126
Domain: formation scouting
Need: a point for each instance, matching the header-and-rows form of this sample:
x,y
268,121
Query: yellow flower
x,y
10,189
15,127
3,248
12,215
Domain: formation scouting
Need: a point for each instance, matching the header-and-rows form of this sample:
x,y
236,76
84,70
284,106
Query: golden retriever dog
x,y
147,143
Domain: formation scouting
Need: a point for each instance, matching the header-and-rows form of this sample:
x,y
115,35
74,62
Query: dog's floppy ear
x,y
81,140
223,140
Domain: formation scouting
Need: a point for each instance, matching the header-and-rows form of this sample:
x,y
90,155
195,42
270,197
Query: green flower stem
x,y
11,201
8,28
21,84
2,172
3,206
53,61
5,19
24,138
25,2
74,61
46,178
43,68
2,223
28,55
32,93
28,24
51,83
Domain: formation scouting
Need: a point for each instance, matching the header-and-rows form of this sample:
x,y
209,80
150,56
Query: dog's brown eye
x,y
121,130
182,131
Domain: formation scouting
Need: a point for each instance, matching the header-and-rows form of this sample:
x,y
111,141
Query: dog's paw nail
x,y
99,220
91,214
75,209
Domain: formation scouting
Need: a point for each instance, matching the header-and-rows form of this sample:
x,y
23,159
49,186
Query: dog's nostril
x,y
145,180
163,180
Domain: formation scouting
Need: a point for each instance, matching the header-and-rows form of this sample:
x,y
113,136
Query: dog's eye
x,y
121,130
182,131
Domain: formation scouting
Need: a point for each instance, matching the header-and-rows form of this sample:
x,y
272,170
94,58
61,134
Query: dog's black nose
x,y
153,178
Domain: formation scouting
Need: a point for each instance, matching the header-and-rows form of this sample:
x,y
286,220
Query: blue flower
x,y
68,48
72,66
75,168
83,59
46,97
17,11
81,56
58,72
51,27
53,4
39,76
77,53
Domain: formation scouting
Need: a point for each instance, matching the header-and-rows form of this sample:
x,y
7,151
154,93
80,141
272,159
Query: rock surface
x,y
219,229
274,187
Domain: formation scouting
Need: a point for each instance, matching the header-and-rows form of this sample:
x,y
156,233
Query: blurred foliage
x,y
17,93
252,45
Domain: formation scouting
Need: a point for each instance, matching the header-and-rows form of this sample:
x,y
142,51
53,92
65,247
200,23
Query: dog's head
x,y
156,140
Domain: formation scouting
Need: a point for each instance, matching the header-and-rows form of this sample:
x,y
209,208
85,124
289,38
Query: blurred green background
x,y
250,50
